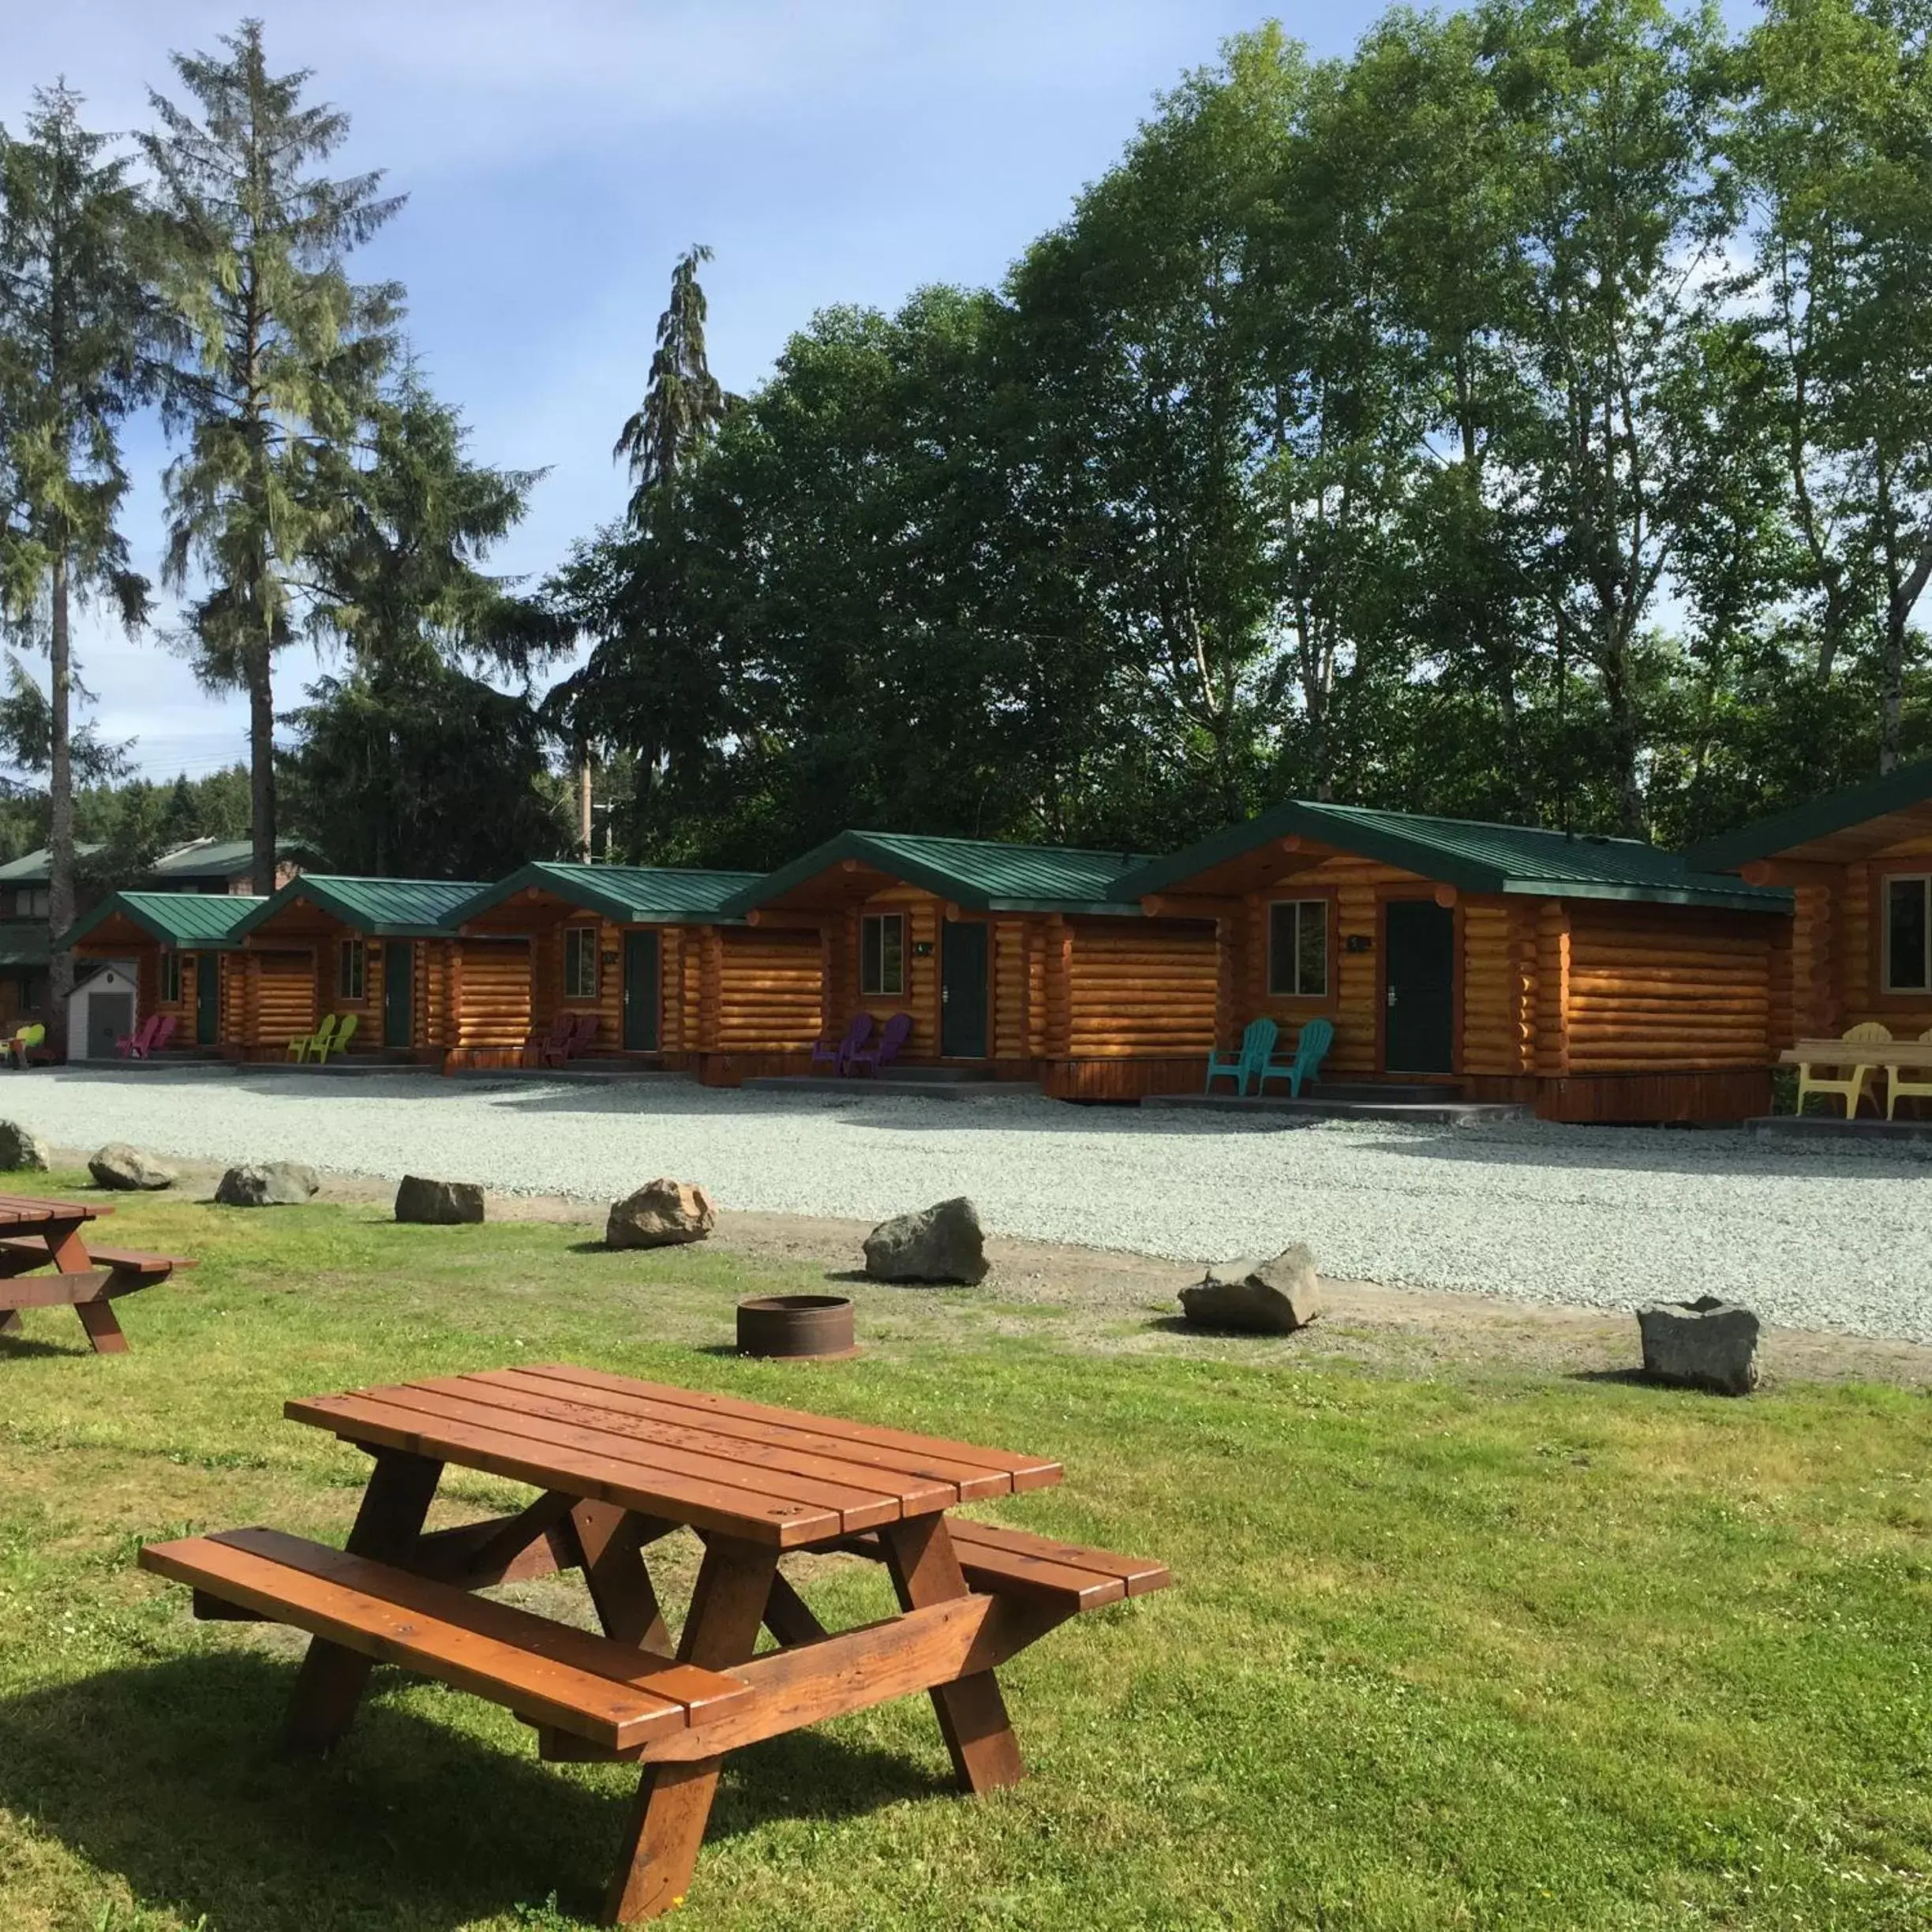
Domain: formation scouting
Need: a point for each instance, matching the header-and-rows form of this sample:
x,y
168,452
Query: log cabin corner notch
x,y
1597,978
177,943
1019,961
625,945
1857,864
382,949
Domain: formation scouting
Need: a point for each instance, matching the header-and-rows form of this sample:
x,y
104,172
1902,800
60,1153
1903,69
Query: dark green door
x,y
207,998
398,994
1418,988
640,992
963,991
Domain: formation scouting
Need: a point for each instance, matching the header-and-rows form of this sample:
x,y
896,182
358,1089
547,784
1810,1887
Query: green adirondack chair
x,y
1312,1045
318,1043
1257,1046
345,1032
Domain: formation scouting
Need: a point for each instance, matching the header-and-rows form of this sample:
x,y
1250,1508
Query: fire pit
x,y
817,1327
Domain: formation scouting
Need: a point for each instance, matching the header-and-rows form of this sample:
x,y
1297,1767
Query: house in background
x,y
1857,864
1597,979
210,865
26,937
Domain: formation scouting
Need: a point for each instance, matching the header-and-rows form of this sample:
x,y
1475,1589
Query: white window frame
x,y
1294,988
589,939
1923,882
170,977
892,987
352,987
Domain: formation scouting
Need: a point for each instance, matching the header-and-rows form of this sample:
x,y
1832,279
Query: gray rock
x,y
127,1171
1257,1297
440,1203
1707,1343
267,1184
942,1243
20,1148
661,1214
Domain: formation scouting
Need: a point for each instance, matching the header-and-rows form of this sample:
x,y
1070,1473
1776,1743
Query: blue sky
x,y
557,158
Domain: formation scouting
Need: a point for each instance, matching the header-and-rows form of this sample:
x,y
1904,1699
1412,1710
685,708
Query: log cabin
x,y
382,949
177,945
1857,864
1018,962
626,945
1595,978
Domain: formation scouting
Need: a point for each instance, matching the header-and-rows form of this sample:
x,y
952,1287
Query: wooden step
x,y
549,1673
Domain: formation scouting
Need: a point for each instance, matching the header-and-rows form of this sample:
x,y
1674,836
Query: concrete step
x,y
1415,1114
907,1086
1831,1127
1419,1093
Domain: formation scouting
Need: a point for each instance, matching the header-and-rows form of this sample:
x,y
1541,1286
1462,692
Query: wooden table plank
x,y
603,1478
1858,1052
1022,1472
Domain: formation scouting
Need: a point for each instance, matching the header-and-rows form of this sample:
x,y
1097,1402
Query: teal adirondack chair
x,y
1311,1046
1257,1045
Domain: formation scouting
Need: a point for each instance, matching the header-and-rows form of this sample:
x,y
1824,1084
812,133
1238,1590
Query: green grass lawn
x,y
1488,1649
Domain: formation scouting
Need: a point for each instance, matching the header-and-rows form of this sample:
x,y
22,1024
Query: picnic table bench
x,y
88,1279
620,1465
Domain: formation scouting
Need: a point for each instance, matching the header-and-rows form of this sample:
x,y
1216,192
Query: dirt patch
x,y
1103,1302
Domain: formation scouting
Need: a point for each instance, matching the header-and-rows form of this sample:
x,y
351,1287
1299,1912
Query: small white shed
x,y
101,1011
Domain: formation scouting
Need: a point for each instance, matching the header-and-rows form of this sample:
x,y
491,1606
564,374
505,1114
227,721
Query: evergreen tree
x,y
280,357
683,403
74,323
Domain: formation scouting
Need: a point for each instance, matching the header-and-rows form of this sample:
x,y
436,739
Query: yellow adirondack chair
x,y
317,1042
345,1032
1869,1033
1898,1087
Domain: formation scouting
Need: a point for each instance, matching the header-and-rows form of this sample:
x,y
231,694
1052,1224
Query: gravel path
x,y
1810,1237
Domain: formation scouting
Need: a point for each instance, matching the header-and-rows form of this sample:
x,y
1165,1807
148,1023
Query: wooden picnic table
x,y
36,1234
620,1465
1904,1052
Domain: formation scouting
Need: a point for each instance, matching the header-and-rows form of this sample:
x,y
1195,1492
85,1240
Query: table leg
x,y
972,1714
330,1684
667,1820
10,1322
611,1540
69,1250
103,1330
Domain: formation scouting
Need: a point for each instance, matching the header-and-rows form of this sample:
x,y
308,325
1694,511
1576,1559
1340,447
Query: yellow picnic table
x,y
1899,1058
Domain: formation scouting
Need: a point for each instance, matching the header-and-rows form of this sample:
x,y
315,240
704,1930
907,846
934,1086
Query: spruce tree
x,y
279,357
74,323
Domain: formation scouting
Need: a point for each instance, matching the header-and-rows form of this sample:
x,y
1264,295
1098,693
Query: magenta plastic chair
x,y
885,1049
839,1055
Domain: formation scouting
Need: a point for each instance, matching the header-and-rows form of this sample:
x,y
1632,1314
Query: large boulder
x,y
942,1243
439,1203
268,1184
21,1149
127,1171
1257,1297
1707,1343
661,1214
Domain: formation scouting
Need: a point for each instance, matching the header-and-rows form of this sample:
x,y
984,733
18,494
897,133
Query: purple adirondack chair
x,y
885,1048
837,1055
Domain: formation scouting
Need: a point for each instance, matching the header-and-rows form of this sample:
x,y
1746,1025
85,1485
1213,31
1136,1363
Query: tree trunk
x,y
261,769
60,831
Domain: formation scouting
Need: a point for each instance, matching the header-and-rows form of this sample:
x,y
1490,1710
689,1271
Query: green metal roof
x,y
631,895
194,921
1473,857
986,875
216,858
24,945
1911,784
31,868
386,907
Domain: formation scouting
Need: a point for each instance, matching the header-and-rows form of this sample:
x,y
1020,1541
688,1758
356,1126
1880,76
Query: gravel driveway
x,y
1810,1237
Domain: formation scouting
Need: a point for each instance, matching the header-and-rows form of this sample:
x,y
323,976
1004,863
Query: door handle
x,y
945,996
1391,996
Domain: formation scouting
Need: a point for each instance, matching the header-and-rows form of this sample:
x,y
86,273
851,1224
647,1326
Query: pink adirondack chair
x,y
552,1046
134,1045
163,1032
885,1050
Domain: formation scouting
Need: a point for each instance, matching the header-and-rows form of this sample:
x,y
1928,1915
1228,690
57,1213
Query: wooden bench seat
x,y
608,1693
1070,1576
20,1255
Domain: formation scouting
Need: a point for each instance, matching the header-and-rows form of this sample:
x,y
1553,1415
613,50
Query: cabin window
x,y
881,955
1908,935
31,902
170,978
351,964
1298,948
580,962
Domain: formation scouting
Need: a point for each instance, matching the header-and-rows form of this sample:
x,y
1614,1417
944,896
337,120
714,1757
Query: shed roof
x,y
192,920
386,908
32,868
987,874
630,895
1472,855
1861,817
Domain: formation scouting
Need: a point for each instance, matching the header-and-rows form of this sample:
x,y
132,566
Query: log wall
x,y
763,989
1141,987
281,1000
492,1004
